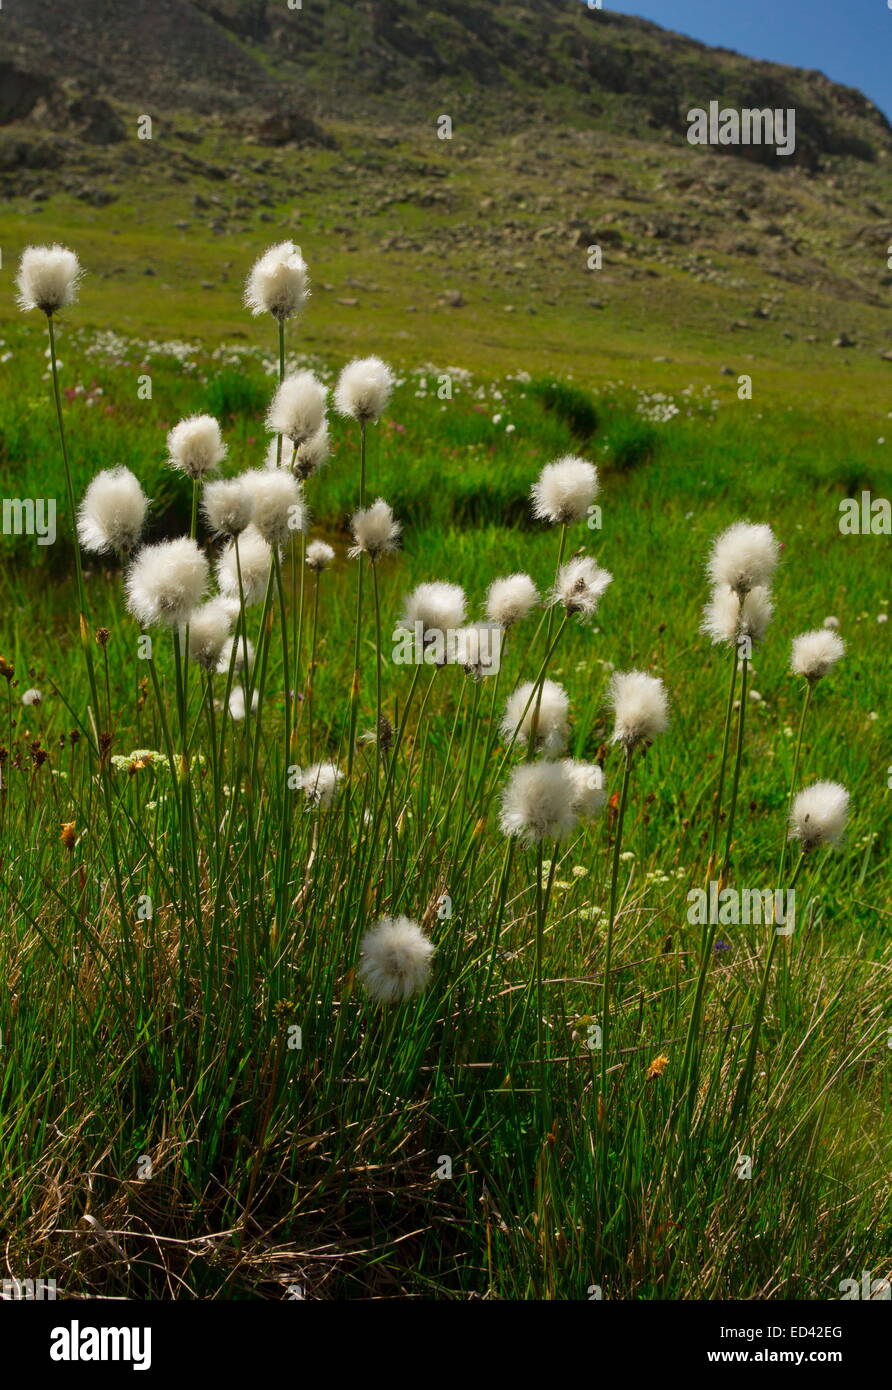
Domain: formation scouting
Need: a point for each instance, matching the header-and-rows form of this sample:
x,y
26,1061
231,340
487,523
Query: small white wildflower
x,y
375,532
579,585
298,408
538,802
320,784
744,557
166,582
565,490
815,653
48,278
278,283
195,446
511,599
249,553
112,515
819,815
227,505
363,389
319,555
551,726
641,707
395,960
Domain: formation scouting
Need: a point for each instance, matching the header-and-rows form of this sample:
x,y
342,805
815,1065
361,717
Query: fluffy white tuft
x,y
724,620
511,599
243,658
590,794
395,960
815,653
579,585
477,648
195,446
375,531
565,490
819,815
437,606
32,697
278,283
641,707
319,555
551,728
744,557
298,408
255,558
309,456
831,622
113,512
166,582
209,627
278,507
539,802
363,389
227,505
320,784
48,278
237,703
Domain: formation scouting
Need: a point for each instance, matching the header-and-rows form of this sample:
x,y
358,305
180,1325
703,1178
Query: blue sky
x,y
849,40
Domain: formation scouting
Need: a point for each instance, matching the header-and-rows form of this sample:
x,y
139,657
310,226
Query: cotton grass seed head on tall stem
x,y
744,557
311,454
590,794
278,507
112,515
395,960
437,606
640,706
363,389
48,278
511,599
816,653
476,648
375,531
565,490
166,582
319,556
579,586
227,506
238,703
321,783
243,659
254,557
278,283
819,815
539,802
725,619
209,628
195,446
297,410
551,725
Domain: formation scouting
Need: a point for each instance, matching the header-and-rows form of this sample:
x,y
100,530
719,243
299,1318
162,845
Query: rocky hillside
x,y
502,63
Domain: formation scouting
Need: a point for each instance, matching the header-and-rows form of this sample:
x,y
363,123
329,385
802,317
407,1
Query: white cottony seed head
x,y
320,784
579,586
195,446
278,509
48,278
819,815
590,794
724,620
565,490
511,599
278,283
539,802
363,389
254,557
209,627
319,555
375,532
815,653
166,582
744,557
553,711
437,606
112,515
395,960
298,408
227,506
641,707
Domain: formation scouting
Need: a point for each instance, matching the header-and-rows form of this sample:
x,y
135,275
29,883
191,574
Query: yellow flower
x,y
657,1067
